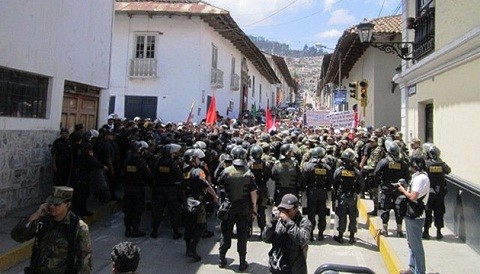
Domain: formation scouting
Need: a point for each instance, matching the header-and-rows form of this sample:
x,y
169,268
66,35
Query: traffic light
x,y
363,89
353,90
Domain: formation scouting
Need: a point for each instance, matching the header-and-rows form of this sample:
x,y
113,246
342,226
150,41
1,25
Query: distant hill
x,y
282,49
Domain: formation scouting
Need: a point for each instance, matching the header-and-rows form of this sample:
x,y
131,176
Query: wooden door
x,y
79,109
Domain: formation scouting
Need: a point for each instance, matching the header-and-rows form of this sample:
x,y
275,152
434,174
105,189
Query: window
x,y
145,46
424,42
22,94
260,93
253,86
214,56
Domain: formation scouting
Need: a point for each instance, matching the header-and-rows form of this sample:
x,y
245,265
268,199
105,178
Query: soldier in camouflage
x,y
62,241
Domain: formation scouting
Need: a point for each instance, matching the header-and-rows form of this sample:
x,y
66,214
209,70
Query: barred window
x,y
22,94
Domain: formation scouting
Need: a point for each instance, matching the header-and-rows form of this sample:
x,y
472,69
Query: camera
x,y
275,214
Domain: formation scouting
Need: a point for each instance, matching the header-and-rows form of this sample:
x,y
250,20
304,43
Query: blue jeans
x,y
414,239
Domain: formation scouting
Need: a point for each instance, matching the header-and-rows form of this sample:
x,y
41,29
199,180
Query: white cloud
x,y
341,17
328,34
328,4
246,12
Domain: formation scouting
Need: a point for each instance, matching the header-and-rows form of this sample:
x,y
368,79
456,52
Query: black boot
x,y
320,236
243,264
177,235
425,235
136,233
192,252
311,237
339,237
352,238
222,262
188,243
439,234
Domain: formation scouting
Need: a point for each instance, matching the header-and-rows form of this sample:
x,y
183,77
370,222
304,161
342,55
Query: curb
x,y
389,256
23,251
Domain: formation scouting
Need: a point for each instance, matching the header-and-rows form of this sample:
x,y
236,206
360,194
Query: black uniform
x,y
347,183
195,224
287,176
62,151
167,176
317,179
136,175
387,173
237,182
262,172
436,169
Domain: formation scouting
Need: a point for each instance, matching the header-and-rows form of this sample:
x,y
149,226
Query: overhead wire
x,y
381,9
274,13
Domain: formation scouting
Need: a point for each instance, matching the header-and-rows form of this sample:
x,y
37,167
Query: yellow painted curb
x,y
23,251
388,254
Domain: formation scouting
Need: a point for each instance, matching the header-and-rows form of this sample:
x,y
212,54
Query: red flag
x,y
211,118
190,114
270,124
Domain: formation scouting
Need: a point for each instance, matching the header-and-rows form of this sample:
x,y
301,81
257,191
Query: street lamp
x,y
365,34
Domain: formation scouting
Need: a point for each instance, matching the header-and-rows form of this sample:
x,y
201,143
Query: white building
x,y
53,54
167,55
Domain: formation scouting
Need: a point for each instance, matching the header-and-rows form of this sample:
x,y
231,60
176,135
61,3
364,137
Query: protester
x,y
125,258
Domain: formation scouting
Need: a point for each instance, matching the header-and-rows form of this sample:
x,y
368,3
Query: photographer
x,y
289,234
417,195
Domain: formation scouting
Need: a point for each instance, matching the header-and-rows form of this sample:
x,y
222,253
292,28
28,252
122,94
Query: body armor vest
x,y
288,174
348,180
436,174
258,170
237,183
320,175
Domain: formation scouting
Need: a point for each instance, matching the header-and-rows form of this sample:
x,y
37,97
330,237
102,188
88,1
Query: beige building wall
x,y
456,102
464,15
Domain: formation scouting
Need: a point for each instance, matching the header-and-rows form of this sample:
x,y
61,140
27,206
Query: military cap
x,y
415,141
60,194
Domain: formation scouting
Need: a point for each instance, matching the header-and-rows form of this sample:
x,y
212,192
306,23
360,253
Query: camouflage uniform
x,y
50,249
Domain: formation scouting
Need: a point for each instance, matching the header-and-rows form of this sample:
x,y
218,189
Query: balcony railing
x,y
143,68
235,82
217,78
424,42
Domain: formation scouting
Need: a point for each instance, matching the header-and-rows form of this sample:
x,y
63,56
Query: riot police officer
x,y
348,184
238,184
286,173
436,169
167,176
136,174
197,187
317,178
387,173
262,171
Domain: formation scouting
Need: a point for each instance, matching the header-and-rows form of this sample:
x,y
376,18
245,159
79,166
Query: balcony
x,y
217,78
235,82
424,42
143,68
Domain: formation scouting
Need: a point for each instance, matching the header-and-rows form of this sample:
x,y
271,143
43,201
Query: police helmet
x,y
426,147
317,152
433,152
171,148
229,148
393,149
348,155
285,149
188,155
418,163
94,133
200,145
256,152
139,145
239,154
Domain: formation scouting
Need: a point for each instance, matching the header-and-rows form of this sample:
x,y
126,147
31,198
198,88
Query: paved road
x,y
164,255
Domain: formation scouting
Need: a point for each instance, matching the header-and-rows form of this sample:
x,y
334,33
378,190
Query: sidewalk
x,y
12,253
449,255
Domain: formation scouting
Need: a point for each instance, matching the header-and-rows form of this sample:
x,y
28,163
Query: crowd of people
x,y
195,171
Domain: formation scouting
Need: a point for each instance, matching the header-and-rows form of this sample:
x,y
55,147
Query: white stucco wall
x,y
62,40
183,53
378,68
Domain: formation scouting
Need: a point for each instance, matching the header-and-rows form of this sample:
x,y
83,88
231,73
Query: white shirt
x,y
420,184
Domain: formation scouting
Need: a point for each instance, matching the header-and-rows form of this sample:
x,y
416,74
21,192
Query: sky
x,y
300,22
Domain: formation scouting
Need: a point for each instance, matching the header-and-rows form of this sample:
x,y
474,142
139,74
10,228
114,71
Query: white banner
x,y
342,119
318,118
